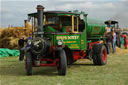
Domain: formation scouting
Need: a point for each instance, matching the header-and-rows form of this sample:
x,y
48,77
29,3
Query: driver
x,y
28,40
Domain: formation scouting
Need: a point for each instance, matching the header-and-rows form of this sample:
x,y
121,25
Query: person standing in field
x,y
125,41
21,45
113,40
122,39
108,41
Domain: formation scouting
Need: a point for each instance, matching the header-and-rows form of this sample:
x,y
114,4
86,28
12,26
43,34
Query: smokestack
x,y
25,23
40,10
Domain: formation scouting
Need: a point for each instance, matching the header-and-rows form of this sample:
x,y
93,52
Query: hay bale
x,y
4,42
9,36
28,25
121,51
9,42
14,43
16,32
1,29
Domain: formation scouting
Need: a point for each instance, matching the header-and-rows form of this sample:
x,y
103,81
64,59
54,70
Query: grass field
x,y
83,72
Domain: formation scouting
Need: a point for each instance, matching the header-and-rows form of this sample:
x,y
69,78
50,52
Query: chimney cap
x,y
39,7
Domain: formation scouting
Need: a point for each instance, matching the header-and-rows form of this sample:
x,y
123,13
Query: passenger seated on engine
x,y
67,29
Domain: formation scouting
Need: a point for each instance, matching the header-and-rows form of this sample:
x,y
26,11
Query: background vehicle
x,y
61,38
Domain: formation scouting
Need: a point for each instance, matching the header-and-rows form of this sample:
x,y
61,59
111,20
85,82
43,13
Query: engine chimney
x,y
40,10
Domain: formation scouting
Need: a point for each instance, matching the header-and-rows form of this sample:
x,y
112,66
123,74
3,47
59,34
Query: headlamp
x,y
60,42
29,42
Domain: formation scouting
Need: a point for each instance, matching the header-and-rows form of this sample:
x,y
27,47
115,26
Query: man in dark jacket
x,y
21,45
108,41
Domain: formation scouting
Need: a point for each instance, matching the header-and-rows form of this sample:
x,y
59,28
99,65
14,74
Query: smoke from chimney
x,y
122,14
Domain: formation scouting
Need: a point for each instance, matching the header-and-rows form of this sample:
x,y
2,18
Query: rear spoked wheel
x,y
99,55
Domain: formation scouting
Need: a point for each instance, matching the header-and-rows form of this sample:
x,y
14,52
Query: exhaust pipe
x,y
40,10
40,45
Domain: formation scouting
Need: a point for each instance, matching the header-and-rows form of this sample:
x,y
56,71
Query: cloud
x,y
123,0
109,5
16,11
88,5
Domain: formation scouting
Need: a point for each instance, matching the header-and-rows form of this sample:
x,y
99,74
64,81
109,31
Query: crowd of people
x,y
111,40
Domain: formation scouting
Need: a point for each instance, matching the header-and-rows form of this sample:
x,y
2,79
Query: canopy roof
x,y
69,13
58,13
111,22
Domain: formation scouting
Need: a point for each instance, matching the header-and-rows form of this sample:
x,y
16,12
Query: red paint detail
x,y
82,54
48,65
104,55
53,62
53,51
125,41
76,55
67,29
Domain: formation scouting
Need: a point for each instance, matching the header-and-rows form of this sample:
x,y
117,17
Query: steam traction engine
x,y
60,38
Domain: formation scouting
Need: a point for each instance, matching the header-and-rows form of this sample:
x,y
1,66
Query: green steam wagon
x,y
61,38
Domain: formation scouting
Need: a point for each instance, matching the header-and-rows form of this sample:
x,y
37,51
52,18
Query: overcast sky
x,y
14,12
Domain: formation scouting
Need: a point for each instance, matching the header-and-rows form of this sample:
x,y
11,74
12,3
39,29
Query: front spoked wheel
x,y
28,63
62,64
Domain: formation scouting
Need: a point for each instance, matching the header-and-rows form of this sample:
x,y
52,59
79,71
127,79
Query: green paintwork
x,y
72,41
64,29
94,29
84,36
49,29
